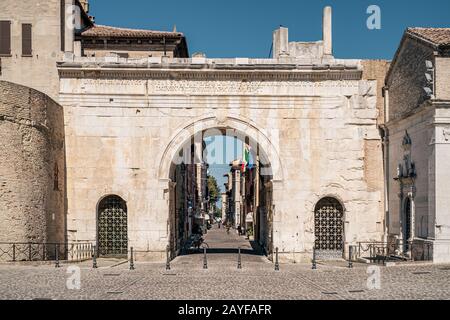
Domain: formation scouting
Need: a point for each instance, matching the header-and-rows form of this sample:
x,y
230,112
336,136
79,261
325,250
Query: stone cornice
x,y
197,72
424,107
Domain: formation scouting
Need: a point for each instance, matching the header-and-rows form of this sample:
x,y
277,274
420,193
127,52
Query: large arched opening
x,y
249,164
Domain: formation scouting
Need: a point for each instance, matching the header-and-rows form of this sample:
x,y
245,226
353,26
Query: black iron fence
x,y
16,252
417,250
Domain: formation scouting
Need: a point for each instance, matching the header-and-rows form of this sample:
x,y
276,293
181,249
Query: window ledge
x,y
5,55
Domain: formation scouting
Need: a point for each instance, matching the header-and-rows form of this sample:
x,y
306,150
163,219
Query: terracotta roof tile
x,y
114,32
439,36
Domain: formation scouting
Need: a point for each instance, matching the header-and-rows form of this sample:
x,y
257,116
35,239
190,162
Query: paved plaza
x,y
257,280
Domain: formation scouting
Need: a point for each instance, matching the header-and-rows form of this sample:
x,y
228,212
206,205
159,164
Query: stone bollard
x,y
94,258
131,259
205,261
350,257
314,263
239,266
277,264
167,258
57,256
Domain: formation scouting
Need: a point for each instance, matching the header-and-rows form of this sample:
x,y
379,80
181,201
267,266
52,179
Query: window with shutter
x,y
26,40
5,37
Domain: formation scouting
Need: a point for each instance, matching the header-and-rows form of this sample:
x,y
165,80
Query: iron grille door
x,y
112,227
329,228
407,225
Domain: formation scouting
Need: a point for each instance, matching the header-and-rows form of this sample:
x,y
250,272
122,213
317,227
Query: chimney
x,y
327,32
280,42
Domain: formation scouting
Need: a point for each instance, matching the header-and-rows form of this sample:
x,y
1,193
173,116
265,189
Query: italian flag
x,y
246,156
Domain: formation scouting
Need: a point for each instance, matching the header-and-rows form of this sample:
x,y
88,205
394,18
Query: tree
x,y
218,213
213,191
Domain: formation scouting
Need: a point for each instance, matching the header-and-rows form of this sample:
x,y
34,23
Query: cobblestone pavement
x,y
257,280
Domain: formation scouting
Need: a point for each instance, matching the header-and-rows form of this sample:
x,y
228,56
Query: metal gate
x,y
407,225
329,229
112,227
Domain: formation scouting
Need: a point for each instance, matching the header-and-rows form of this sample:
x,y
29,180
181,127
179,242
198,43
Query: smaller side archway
x,y
329,228
112,226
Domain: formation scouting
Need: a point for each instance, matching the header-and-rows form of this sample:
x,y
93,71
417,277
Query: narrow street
x,y
223,249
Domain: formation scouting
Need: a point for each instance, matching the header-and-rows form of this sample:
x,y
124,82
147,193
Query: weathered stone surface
x,y
32,171
321,138
407,78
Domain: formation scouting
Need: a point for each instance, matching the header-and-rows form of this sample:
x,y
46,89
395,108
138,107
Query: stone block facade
x,y
124,127
32,174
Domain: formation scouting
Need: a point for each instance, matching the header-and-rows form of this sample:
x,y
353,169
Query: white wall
x,y
116,147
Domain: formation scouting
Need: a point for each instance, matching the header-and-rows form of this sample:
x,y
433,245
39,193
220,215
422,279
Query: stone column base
x,y
441,251
294,257
143,256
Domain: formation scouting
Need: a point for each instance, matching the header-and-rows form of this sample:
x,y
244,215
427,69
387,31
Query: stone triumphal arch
x,y
316,125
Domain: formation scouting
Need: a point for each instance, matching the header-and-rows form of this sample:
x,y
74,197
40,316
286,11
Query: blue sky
x,y
243,28
221,151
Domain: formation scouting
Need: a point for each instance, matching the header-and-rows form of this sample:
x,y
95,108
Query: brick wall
x,y
443,78
408,79
32,183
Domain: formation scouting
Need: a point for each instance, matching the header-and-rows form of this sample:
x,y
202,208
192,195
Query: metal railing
x,y
417,250
30,251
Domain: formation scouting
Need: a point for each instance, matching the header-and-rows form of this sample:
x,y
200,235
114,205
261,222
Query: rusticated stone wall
x,y
32,174
407,79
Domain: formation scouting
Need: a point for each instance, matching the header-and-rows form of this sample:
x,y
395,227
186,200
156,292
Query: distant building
x,y
37,35
224,206
243,196
191,200
103,41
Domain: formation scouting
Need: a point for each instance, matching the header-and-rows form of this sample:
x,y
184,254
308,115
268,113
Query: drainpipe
x,y
385,142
